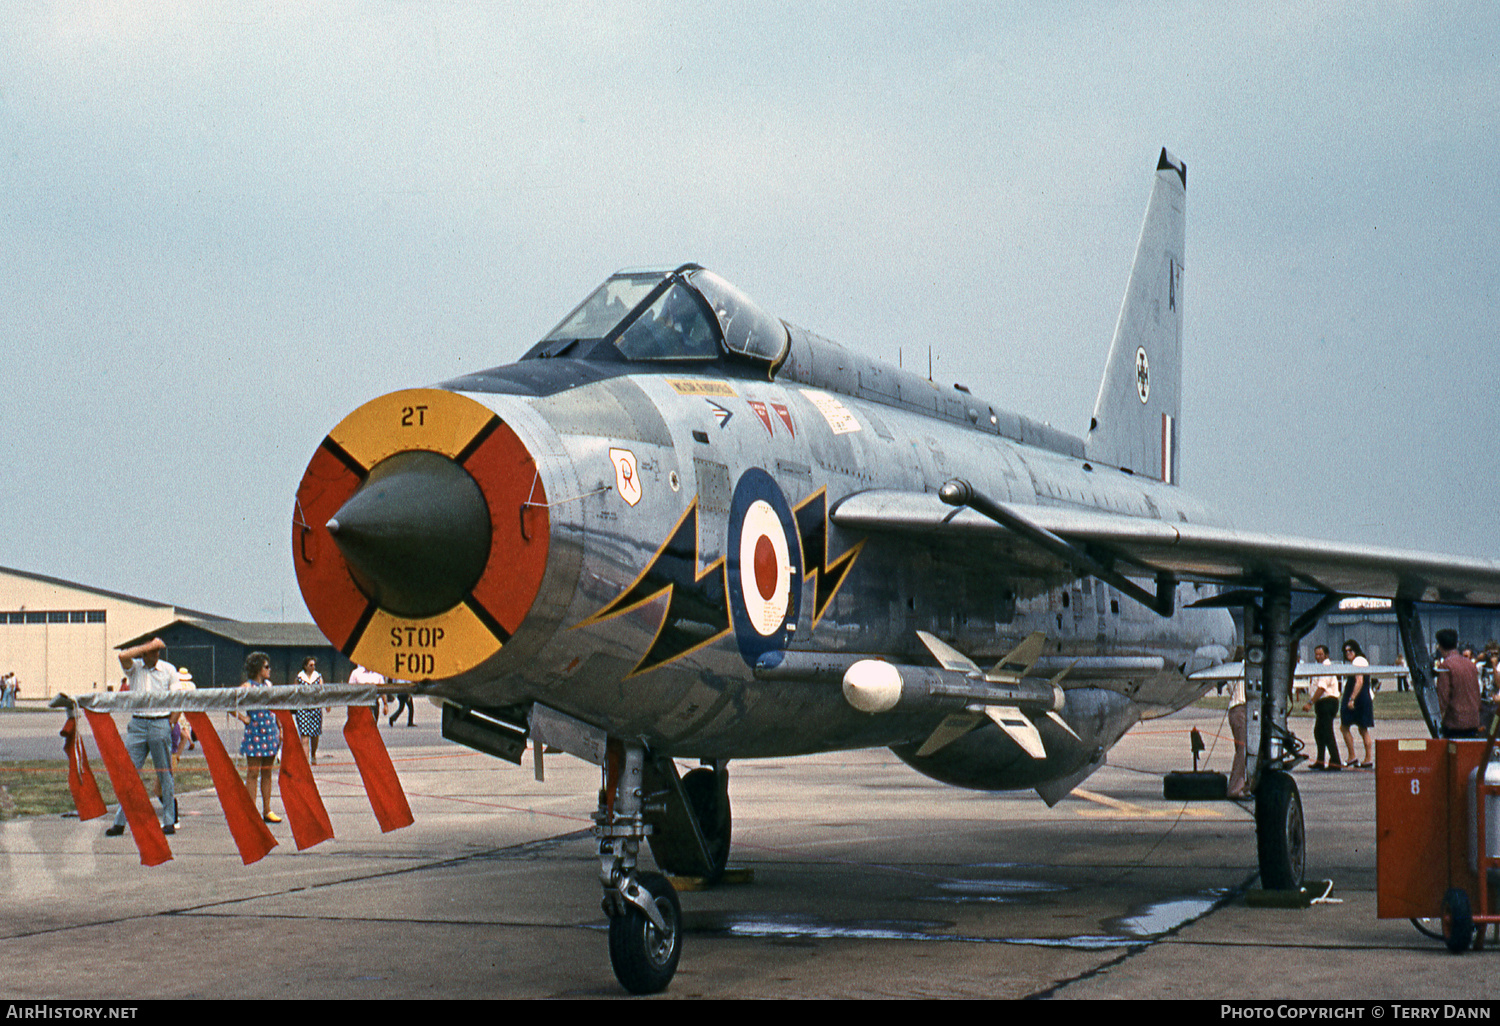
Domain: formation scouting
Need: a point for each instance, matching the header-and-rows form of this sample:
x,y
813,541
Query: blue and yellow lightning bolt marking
x,y
812,530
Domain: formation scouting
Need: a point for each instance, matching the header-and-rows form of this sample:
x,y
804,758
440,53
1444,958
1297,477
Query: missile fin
x,y
950,730
947,656
1063,724
1021,730
1019,661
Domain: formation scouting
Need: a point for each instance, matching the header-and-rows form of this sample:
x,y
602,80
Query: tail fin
x,y
1135,416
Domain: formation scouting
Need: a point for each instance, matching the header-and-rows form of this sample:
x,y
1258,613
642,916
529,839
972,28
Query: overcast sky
x,y
225,225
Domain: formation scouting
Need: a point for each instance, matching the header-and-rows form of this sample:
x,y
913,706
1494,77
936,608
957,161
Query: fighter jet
x,y
681,529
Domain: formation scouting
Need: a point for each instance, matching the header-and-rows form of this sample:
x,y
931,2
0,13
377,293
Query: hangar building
x,y
58,635
1372,623
62,636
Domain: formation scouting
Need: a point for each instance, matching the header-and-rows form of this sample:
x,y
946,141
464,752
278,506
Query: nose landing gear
x,y
645,916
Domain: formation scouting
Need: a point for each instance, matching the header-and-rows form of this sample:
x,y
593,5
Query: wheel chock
x,y
1302,897
1195,786
732,875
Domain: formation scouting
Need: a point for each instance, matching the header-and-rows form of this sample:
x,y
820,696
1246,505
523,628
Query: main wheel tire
x,y
1458,921
645,958
710,806
1280,836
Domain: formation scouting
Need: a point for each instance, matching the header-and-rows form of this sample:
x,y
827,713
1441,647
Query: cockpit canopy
x,y
687,314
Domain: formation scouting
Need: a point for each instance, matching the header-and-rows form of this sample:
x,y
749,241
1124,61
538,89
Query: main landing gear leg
x,y
1419,665
1270,656
645,917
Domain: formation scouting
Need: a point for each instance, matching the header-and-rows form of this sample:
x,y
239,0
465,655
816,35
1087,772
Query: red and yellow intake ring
x,y
463,434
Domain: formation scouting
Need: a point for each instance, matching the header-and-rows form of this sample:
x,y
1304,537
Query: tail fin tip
x,y
1167,162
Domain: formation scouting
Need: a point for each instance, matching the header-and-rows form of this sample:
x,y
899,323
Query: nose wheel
x,y
643,951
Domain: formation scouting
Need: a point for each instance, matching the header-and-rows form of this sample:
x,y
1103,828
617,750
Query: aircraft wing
x,y
1191,552
1236,671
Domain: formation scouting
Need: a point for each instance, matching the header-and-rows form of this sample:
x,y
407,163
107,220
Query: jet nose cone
x,y
416,535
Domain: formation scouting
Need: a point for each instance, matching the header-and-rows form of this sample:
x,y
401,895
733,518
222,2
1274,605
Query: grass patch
x,y
1389,705
40,787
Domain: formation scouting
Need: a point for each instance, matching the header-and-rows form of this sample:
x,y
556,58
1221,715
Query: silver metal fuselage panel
x,y
688,441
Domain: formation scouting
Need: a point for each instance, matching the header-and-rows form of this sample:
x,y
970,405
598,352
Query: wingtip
x,y
1167,162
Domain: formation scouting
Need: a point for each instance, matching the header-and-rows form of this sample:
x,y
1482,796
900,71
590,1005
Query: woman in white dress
x,y
309,721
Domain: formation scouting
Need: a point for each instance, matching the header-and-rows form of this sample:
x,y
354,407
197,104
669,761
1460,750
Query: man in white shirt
x,y
360,675
150,732
1323,700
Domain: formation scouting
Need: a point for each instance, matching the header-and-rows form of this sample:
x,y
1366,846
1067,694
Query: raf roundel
x,y
765,569
765,566
1142,374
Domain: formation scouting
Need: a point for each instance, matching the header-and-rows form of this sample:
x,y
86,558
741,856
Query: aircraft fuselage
x,y
647,622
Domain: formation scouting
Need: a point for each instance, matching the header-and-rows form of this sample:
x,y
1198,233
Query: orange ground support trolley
x,y
1434,799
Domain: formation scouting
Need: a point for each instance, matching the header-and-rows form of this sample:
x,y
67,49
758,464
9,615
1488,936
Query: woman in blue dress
x,y
262,738
1359,707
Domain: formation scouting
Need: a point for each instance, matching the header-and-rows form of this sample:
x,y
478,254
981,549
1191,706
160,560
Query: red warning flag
x,y
251,835
86,797
145,828
374,762
299,792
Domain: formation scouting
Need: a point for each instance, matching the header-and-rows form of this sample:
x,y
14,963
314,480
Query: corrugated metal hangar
x,y
1372,623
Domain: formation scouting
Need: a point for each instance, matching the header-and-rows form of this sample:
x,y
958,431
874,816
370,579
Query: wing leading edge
x,y
1190,552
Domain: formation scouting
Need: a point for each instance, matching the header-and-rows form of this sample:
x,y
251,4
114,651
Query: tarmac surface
x,y
870,881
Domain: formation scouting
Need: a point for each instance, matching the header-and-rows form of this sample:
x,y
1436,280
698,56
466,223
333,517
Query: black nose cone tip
x,y
416,535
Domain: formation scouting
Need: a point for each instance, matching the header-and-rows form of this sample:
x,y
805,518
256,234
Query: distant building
x,y
1372,623
59,635
215,650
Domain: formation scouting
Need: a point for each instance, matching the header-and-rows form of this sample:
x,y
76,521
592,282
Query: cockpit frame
x,y
683,315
